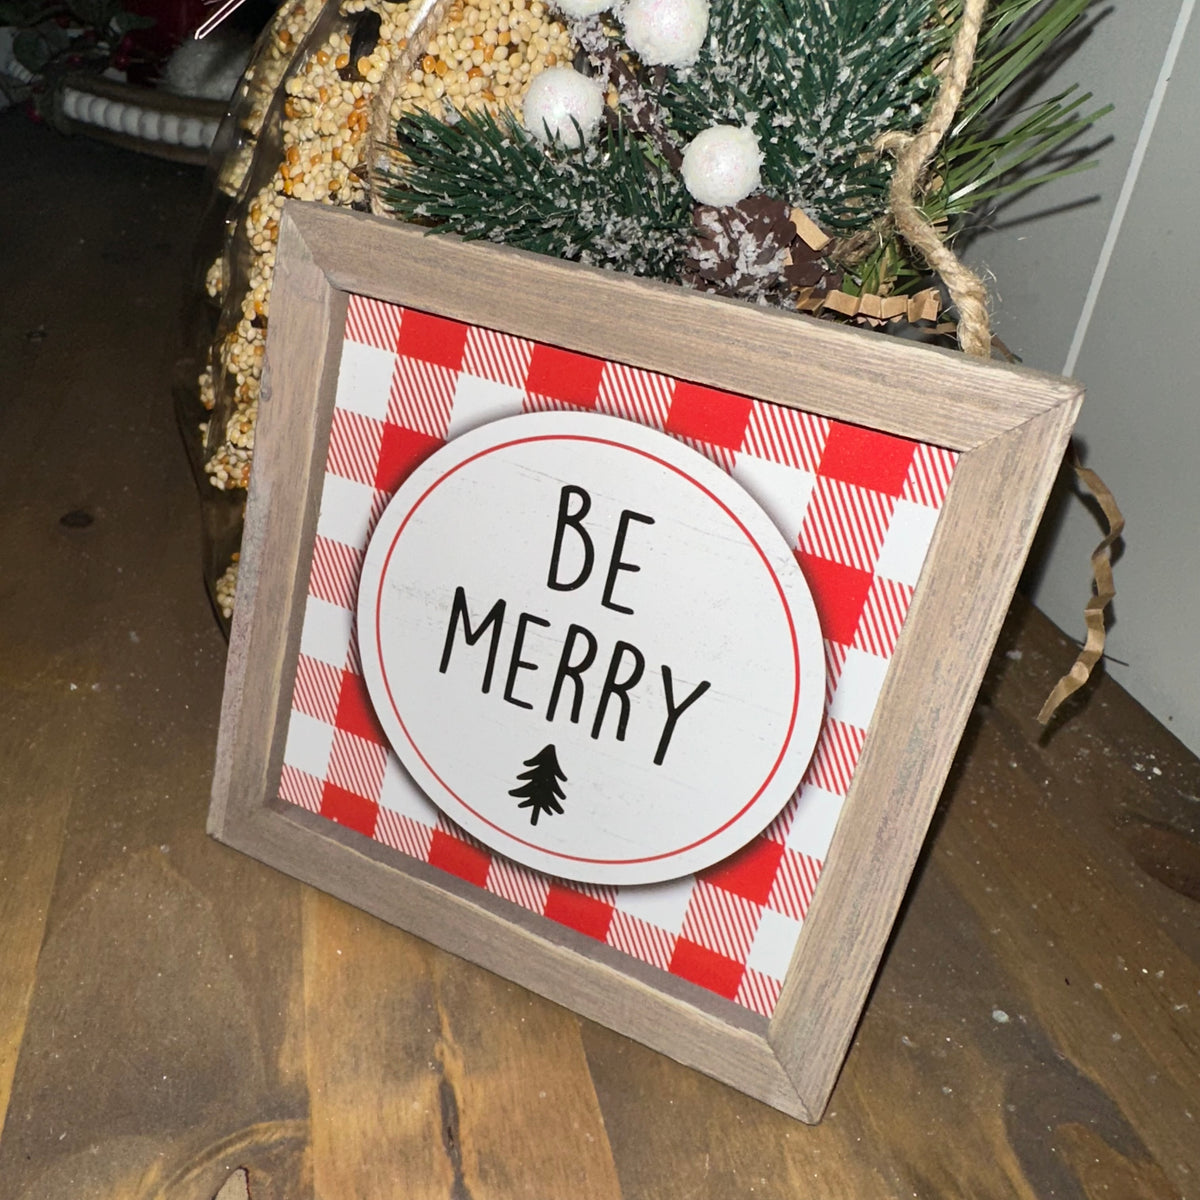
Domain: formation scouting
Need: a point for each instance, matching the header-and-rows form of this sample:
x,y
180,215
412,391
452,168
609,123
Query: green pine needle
x,y
993,151
819,81
609,203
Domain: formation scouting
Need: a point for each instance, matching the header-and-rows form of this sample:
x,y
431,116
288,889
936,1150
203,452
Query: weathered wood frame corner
x,y
1010,427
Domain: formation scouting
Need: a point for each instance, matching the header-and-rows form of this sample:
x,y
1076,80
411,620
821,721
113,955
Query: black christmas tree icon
x,y
540,789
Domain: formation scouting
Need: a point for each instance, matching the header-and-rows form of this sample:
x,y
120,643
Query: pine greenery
x,y
608,204
995,148
993,151
819,81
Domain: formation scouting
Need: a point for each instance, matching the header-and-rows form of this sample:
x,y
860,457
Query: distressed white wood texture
x,y
1011,426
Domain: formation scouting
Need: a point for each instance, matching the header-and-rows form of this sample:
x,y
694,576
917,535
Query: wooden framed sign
x,y
615,637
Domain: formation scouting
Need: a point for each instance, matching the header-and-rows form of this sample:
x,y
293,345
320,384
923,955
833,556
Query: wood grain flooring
x,y
171,1011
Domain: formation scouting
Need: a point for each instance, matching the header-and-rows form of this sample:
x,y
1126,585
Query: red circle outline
x,y
558,437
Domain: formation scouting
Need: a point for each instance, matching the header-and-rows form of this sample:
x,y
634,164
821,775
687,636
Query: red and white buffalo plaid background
x,y
858,506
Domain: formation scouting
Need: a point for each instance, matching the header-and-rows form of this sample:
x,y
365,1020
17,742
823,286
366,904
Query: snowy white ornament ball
x,y
557,95
721,164
582,8
666,32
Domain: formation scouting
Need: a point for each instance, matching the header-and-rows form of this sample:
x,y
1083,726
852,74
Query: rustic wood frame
x,y
1010,427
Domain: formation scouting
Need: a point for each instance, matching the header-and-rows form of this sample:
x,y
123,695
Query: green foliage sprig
x,y
819,81
992,151
997,148
609,203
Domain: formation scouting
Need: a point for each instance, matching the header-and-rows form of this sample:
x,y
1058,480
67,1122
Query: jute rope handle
x,y
913,152
422,25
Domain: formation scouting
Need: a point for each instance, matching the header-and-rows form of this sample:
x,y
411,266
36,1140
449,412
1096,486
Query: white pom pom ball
x,y
557,95
666,32
582,8
721,164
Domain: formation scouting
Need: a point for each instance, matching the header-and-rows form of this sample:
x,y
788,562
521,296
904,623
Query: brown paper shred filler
x,y
1103,594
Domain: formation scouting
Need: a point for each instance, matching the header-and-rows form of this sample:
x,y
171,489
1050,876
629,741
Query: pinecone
x,y
752,250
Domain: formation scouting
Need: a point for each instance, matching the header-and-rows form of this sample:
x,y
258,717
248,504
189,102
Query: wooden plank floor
x,y
171,1011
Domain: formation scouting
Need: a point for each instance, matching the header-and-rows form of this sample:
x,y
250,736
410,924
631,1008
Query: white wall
x,y
1108,291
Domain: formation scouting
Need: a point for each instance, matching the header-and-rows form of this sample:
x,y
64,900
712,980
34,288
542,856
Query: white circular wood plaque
x,y
591,648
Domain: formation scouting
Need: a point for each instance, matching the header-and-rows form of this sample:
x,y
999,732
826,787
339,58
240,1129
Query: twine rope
x,y
421,28
913,152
